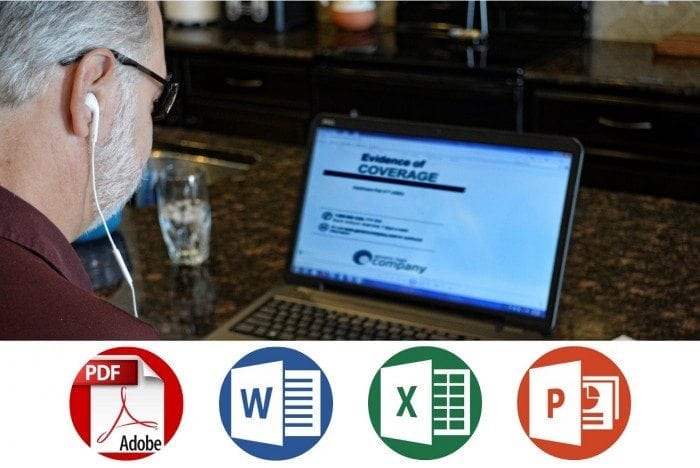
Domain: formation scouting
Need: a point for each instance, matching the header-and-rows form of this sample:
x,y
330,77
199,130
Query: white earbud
x,y
94,106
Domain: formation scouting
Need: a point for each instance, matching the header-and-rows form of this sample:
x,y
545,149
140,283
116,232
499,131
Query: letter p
x,y
555,398
90,370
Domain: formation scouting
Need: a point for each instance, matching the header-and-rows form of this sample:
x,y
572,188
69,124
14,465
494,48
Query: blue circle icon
x,y
361,257
275,403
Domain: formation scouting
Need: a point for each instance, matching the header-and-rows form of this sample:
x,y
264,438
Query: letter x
x,y
406,401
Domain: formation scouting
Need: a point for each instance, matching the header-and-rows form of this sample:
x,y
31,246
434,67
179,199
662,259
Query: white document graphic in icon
x,y
127,410
451,402
302,403
268,403
555,403
601,402
256,403
563,402
418,402
406,406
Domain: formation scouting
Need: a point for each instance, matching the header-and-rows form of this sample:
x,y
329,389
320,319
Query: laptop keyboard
x,y
285,320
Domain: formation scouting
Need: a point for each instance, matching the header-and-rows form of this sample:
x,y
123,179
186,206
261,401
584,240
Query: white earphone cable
x,y
115,250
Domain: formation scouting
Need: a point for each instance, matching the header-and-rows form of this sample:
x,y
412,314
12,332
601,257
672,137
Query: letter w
x,y
254,401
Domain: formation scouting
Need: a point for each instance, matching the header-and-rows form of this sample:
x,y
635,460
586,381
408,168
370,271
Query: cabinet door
x,y
233,78
628,124
258,97
240,119
451,99
638,144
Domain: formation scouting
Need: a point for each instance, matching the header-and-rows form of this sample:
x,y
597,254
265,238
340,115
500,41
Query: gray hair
x,y
35,36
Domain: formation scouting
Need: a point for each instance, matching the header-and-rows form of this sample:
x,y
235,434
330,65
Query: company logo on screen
x,y
365,257
362,257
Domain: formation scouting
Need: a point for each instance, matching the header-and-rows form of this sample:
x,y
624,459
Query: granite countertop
x,y
632,266
621,65
298,44
607,64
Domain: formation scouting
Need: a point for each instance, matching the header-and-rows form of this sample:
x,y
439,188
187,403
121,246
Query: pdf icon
x,y
574,403
126,403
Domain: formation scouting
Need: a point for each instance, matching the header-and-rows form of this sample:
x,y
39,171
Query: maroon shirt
x,y
45,292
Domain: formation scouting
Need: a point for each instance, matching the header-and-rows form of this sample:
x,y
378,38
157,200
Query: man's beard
x,y
117,170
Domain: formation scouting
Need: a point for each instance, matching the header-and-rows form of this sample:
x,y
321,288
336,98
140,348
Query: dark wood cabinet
x,y
253,81
264,97
638,118
462,99
246,96
648,144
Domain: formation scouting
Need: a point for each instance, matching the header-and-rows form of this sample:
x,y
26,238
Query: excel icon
x,y
424,403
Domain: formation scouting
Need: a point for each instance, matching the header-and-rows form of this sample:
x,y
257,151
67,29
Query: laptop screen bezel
x,y
467,134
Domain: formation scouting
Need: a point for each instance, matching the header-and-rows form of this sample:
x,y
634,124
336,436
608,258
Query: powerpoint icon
x,y
574,403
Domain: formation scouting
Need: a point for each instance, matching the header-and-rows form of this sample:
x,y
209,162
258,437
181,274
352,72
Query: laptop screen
x,y
469,223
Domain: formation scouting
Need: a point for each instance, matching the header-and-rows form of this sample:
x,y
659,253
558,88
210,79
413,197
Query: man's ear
x,y
94,73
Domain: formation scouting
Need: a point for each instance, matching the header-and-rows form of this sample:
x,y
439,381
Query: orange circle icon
x,y
574,403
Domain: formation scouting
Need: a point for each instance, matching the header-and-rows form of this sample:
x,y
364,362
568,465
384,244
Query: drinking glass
x,y
184,213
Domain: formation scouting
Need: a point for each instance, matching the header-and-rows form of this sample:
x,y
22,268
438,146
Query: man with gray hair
x,y
79,85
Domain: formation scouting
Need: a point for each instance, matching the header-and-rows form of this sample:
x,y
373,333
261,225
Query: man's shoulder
x,y
36,302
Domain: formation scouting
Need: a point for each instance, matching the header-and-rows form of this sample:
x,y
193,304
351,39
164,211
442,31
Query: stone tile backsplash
x,y
643,22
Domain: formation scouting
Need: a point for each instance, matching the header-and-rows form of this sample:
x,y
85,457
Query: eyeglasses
x,y
162,106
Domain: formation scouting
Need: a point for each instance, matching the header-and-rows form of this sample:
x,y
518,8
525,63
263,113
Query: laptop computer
x,y
421,231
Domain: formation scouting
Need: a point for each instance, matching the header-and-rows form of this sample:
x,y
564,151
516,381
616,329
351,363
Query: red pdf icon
x,y
574,403
126,403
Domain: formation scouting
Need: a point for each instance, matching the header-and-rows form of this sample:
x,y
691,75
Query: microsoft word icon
x,y
275,403
424,403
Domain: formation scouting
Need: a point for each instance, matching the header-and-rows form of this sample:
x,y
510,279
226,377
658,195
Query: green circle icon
x,y
424,403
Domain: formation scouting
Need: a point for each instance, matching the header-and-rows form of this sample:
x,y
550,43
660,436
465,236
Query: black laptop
x,y
419,231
